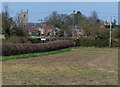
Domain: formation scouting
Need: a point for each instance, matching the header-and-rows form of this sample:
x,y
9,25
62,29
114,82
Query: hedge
x,y
24,48
91,42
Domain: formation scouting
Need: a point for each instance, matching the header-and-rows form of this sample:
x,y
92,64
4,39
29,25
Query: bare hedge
x,y
24,48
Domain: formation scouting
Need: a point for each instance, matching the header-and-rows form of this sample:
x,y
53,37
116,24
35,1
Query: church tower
x,y
24,16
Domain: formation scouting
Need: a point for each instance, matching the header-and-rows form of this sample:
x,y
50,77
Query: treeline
x,y
92,27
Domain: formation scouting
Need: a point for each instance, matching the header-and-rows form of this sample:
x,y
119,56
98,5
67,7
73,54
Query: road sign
x,y
43,38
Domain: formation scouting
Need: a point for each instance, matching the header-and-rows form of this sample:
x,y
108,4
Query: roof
x,y
37,26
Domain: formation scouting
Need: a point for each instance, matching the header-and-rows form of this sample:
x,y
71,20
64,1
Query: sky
x,y
40,10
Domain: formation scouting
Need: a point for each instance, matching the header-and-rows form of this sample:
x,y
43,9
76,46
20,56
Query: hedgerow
x,y
24,48
92,43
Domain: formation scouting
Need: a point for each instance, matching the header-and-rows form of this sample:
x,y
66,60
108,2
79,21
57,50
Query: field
x,y
79,66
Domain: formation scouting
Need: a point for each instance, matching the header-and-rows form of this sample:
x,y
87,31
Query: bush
x,y
101,43
16,39
91,42
18,31
34,40
115,43
24,48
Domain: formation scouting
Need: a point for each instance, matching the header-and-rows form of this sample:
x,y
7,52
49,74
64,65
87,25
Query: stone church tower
x,y
24,18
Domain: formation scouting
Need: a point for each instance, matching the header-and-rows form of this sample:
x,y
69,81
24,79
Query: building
x,y
36,29
23,19
41,29
77,32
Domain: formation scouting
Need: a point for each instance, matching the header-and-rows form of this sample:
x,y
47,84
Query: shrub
x,y
91,42
24,48
16,39
18,31
34,40
115,43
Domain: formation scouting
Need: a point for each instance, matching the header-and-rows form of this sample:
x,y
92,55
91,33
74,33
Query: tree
x,y
11,26
94,15
61,21
7,22
18,20
94,18
53,19
79,18
18,31
87,30
103,34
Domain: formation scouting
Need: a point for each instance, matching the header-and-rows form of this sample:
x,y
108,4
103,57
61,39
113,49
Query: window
x,y
24,15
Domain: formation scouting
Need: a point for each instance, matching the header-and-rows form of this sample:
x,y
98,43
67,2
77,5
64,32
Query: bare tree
x,y
18,19
94,15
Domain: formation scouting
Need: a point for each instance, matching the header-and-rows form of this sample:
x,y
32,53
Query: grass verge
x,y
3,58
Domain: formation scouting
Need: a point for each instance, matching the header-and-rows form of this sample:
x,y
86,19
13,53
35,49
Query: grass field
x,y
79,66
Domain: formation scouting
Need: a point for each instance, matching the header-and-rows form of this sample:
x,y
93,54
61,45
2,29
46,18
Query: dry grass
x,y
90,66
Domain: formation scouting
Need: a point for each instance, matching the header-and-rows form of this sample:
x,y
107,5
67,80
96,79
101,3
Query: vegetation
x,y
90,25
34,54
10,26
91,43
93,28
24,48
80,66
6,22
18,31
16,39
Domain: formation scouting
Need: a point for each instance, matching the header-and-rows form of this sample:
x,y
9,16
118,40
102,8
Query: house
x,y
77,32
41,29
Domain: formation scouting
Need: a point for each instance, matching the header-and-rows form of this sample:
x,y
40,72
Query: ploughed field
x,y
80,66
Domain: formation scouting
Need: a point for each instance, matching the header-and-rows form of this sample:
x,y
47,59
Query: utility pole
x,y
110,39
